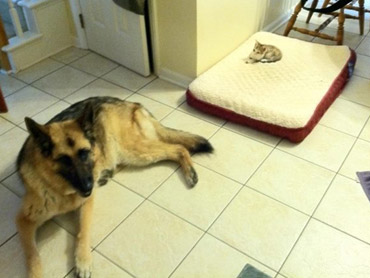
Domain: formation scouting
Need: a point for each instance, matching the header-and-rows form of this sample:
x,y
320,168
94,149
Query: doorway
x,y
113,32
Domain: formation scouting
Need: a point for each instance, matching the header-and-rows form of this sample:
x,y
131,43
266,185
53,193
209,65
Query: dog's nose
x,y
86,193
87,186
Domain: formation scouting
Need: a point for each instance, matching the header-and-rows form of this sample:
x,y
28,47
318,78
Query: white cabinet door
x,y
117,34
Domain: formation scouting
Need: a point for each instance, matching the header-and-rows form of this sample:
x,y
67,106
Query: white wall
x,y
277,11
173,31
189,36
222,26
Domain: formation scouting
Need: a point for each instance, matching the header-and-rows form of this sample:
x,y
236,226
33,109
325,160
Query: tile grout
x,y
222,211
8,239
319,203
109,259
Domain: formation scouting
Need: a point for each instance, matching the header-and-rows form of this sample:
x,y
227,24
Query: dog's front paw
x,y
83,266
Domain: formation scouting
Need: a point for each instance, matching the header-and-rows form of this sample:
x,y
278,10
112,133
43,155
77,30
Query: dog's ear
x,y
87,116
40,135
86,121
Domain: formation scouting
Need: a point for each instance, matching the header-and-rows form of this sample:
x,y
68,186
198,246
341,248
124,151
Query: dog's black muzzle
x,y
80,179
85,186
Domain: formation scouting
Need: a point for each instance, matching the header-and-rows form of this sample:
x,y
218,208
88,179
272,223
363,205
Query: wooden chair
x,y
360,9
341,15
3,107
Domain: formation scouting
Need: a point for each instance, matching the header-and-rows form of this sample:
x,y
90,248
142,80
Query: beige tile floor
x,y
293,211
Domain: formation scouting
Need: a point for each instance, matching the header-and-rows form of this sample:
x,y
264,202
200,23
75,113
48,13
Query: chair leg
x,y
3,107
340,30
313,6
292,19
361,15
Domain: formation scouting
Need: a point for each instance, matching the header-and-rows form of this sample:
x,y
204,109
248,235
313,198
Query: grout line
x,y
97,76
10,189
304,159
156,101
46,74
177,216
146,84
319,203
62,98
198,116
15,91
342,97
342,231
88,51
127,188
304,228
13,125
60,226
252,188
242,252
222,211
120,267
92,52
136,90
168,115
69,272
173,107
8,239
338,130
140,204
321,166
363,77
119,224
191,249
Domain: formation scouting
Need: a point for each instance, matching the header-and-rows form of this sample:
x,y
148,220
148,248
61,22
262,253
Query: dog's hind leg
x,y
83,253
148,124
27,232
149,152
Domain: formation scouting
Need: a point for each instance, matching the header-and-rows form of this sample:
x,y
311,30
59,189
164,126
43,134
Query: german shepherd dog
x,y
79,149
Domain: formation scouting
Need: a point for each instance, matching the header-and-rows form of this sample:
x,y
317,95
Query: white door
x,y
117,34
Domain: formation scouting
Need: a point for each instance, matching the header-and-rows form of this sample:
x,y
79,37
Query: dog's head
x,y
68,149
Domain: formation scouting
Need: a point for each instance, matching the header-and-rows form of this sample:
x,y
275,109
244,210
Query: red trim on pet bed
x,y
293,134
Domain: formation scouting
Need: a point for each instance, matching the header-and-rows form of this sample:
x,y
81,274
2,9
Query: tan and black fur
x,y
63,161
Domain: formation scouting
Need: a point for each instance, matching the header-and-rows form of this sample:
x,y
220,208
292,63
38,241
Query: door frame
x,y
80,39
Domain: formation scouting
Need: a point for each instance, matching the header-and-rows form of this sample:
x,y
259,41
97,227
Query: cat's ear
x,y
257,43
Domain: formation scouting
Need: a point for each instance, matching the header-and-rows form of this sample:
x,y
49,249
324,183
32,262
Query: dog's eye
x,y
65,160
83,154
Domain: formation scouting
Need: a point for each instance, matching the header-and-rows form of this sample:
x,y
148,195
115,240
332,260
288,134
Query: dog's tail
x,y
193,143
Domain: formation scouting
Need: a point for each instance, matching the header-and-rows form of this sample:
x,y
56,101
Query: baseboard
x,y
174,77
276,24
19,63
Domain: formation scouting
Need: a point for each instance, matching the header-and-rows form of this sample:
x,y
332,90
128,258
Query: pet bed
x,y
286,98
